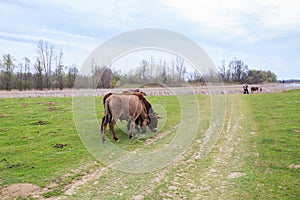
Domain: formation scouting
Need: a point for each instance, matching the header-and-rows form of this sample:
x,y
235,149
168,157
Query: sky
x,y
264,34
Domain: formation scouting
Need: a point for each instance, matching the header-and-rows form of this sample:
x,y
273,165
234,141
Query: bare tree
x,y
152,66
59,70
180,68
94,69
20,77
39,75
73,71
8,67
164,75
195,76
238,69
173,70
144,65
26,72
45,56
104,76
223,70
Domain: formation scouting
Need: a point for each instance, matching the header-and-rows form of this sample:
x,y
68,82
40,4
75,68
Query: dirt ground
x,y
19,190
227,89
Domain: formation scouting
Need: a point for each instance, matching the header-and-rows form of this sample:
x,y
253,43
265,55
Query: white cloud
x,y
60,38
246,19
106,14
285,14
75,47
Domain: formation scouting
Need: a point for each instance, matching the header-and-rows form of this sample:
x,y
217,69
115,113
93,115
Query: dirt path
x,y
71,188
216,180
194,180
87,173
228,89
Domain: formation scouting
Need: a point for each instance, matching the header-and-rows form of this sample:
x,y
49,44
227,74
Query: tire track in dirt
x,y
71,189
162,175
215,181
226,161
216,178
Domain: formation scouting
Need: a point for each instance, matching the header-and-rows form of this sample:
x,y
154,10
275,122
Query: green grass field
x,y
30,128
273,152
255,157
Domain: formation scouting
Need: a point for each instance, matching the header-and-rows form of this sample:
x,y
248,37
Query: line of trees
x,y
237,72
175,73
47,71
163,72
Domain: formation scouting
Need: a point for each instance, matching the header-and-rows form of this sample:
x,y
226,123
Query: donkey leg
x,y
103,127
128,125
112,129
132,129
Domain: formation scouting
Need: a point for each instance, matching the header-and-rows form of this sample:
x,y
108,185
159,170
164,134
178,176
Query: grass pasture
x,y
30,128
256,156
